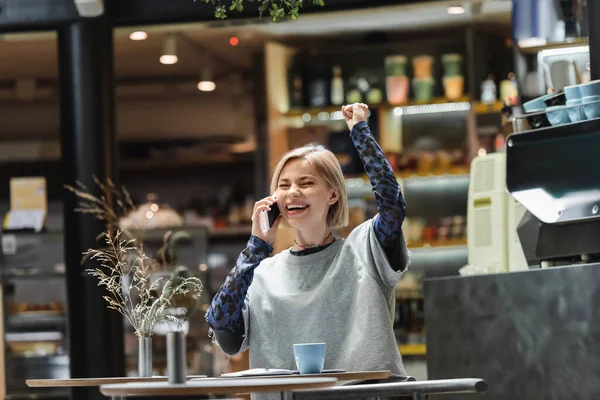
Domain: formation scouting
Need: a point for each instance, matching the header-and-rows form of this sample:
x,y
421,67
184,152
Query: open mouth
x,y
295,209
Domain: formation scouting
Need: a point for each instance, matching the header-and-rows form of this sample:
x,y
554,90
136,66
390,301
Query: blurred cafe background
x,y
190,113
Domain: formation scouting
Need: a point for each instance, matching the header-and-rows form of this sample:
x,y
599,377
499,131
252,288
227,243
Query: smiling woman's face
x,y
303,196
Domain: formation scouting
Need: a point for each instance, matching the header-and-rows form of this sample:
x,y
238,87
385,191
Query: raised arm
x,y
390,202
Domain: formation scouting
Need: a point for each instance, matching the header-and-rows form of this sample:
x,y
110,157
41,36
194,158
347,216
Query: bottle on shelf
x,y
488,91
337,86
374,93
353,94
318,92
296,98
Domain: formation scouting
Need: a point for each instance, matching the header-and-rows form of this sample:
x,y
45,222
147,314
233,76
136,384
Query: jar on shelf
x,y
454,87
453,79
396,81
423,89
422,66
452,64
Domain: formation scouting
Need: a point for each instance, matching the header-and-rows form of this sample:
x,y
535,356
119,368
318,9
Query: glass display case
x,y
35,310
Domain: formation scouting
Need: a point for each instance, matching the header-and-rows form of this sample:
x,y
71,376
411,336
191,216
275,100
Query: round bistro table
x,y
340,376
89,382
216,386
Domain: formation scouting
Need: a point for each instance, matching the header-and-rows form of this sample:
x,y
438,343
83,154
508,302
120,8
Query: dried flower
x,y
166,257
103,207
124,268
125,273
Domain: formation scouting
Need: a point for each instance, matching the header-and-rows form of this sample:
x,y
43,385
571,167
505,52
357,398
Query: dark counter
x,y
531,335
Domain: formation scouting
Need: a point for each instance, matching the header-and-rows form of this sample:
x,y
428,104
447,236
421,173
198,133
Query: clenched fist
x,y
355,113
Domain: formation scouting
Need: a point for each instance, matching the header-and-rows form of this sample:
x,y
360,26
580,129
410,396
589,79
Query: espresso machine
x,y
554,173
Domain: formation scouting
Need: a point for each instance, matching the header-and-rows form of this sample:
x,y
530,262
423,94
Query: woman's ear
x,y
333,198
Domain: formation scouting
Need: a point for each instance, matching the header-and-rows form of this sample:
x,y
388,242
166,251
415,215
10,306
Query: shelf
x,y
535,45
48,393
186,161
333,113
231,231
48,275
50,336
430,178
483,108
409,294
54,359
36,319
359,186
315,111
450,244
415,349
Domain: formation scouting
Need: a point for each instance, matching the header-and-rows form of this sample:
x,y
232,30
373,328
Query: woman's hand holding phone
x,y
261,208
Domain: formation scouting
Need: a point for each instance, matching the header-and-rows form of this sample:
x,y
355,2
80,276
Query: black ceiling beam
x,y
132,12
30,15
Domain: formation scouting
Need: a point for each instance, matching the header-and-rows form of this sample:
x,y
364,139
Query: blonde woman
x,y
323,289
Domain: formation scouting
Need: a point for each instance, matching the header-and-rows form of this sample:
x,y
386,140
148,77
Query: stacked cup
x,y
396,79
423,78
573,95
453,79
590,99
583,101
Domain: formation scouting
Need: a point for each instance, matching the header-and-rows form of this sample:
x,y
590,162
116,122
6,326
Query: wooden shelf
x,y
480,108
298,112
408,294
437,244
483,108
535,46
414,349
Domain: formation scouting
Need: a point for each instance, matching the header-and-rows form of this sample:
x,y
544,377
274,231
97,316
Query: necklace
x,y
307,246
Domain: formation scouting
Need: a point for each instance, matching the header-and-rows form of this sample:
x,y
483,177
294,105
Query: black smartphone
x,y
268,221
273,214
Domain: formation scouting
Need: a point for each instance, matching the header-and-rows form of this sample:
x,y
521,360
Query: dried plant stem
x,y
124,268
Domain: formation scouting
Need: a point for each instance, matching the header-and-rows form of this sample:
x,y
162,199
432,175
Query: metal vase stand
x,y
145,357
176,357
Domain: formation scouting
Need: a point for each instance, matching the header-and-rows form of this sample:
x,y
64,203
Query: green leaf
x,y
277,8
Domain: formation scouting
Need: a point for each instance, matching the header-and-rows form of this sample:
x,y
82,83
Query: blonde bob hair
x,y
328,168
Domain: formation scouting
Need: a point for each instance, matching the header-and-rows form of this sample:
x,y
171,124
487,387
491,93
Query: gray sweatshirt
x,y
343,296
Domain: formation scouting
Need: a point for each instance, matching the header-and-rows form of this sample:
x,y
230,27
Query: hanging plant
x,y
277,9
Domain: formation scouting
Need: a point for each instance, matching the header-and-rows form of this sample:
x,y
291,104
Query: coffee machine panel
x,y
555,174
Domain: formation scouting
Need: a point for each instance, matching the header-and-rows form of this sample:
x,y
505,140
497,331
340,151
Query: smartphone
x,y
269,217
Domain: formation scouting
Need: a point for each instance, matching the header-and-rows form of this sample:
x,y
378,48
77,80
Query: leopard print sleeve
x,y
225,311
390,202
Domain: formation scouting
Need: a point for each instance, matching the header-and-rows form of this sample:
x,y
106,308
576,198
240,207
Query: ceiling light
x,y
138,35
206,84
169,52
455,10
